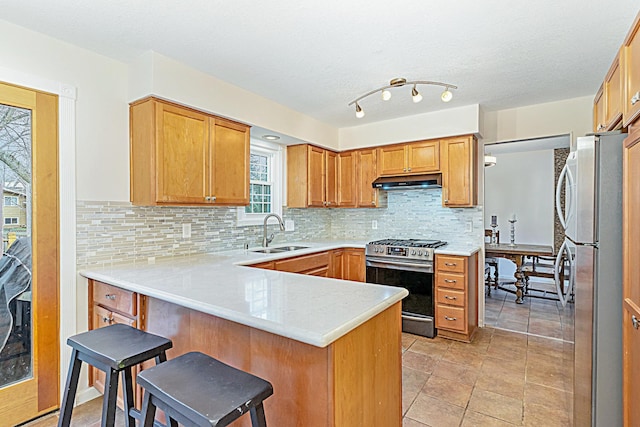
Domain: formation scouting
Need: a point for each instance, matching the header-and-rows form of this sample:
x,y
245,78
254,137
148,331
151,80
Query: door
x,y
367,173
347,184
392,160
331,178
459,172
229,170
423,157
29,324
631,279
316,176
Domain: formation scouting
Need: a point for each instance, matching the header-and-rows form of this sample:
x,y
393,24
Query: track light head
x,y
386,95
446,95
359,111
415,95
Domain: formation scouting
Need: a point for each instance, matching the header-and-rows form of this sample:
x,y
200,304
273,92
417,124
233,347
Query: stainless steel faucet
x,y
266,240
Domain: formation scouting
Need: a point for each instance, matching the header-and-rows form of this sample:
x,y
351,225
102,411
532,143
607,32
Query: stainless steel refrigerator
x,y
593,229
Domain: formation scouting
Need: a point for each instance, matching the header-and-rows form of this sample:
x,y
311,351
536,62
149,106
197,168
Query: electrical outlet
x,y
289,225
151,260
186,231
374,224
469,226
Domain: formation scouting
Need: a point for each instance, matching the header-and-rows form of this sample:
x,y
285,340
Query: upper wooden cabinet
x,y
181,156
367,172
408,159
630,60
347,184
312,177
459,171
598,111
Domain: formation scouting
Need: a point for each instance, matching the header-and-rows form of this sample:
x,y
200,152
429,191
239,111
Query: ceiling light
x,y
415,95
271,137
489,161
399,82
446,95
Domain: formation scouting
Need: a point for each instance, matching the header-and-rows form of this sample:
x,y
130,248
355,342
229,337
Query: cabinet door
x,y
423,157
182,155
459,172
392,160
598,111
366,173
331,178
631,73
347,185
315,171
631,278
336,263
613,96
354,265
229,159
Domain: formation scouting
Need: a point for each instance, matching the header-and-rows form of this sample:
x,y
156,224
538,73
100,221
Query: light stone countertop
x,y
314,310
458,249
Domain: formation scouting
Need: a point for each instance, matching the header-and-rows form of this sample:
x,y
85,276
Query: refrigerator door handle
x,y
564,217
564,297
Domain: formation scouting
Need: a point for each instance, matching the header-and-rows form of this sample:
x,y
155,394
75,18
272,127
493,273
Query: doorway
x,y
521,185
29,267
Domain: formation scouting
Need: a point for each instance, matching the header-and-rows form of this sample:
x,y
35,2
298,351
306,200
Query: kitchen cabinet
x,y
456,311
354,265
598,110
347,187
631,277
631,74
311,177
613,96
409,159
313,264
336,264
367,172
109,305
459,171
181,156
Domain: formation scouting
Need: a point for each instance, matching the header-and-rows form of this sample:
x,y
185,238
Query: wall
x,y
521,184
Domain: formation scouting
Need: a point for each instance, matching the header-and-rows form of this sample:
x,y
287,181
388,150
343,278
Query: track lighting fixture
x,y
446,95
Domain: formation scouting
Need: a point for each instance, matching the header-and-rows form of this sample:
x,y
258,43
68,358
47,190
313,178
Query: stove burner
x,y
412,243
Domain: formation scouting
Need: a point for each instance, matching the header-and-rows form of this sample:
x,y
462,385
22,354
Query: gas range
x,y
404,249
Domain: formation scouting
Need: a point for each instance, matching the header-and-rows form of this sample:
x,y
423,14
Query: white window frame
x,y
17,199
276,152
10,222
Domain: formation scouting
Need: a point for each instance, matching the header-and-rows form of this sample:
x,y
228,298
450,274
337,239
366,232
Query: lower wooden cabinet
x,y
456,296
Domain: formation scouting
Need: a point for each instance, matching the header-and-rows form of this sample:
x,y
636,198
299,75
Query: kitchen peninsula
x,y
331,348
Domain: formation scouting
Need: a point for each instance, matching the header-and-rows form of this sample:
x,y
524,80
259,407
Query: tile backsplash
x,y
116,232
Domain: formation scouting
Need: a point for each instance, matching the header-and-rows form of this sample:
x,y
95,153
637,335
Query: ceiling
x,y
317,56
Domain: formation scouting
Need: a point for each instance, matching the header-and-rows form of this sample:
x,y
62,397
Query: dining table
x,y
516,252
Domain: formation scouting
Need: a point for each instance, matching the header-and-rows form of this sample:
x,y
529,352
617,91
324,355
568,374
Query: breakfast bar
x,y
331,348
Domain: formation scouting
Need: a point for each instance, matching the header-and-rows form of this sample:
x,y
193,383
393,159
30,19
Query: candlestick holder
x,y
494,235
513,231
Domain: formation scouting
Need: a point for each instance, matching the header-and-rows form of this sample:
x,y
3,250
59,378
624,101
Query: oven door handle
x,y
405,266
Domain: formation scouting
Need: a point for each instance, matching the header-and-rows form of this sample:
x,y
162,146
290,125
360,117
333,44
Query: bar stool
x,y
197,390
112,349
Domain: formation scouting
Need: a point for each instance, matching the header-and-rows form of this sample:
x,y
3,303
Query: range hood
x,y
409,182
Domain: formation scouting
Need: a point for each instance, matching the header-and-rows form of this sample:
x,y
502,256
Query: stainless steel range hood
x,y
409,182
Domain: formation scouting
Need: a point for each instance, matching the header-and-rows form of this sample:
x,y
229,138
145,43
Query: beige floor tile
x,y
434,412
475,419
412,383
407,341
408,422
496,405
536,416
508,384
551,373
498,365
461,356
464,374
433,349
547,397
448,390
418,361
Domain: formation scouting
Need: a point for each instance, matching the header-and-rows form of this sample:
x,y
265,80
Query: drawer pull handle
x,y
635,322
449,281
112,297
635,98
107,319
450,319
451,298
450,264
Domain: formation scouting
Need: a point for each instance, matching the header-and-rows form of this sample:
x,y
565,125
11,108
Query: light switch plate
x,y
289,225
186,231
374,224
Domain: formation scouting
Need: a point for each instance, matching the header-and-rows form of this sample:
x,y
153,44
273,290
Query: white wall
x,y
454,121
521,184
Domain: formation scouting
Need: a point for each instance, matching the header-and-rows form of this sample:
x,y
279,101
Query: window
x,y
265,187
9,221
11,200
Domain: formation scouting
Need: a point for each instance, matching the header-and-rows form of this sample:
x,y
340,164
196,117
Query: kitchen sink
x,y
280,249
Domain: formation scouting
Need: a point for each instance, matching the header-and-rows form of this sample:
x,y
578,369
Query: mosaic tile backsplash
x,y
116,232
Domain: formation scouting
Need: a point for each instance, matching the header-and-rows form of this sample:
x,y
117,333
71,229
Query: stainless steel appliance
x,y
407,263
593,229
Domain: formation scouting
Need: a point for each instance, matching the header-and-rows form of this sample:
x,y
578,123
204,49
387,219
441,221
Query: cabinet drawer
x,y
450,280
114,298
304,263
451,263
322,272
450,297
269,265
452,318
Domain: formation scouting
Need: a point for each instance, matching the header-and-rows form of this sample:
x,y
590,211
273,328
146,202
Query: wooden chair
x,y
489,263
544,267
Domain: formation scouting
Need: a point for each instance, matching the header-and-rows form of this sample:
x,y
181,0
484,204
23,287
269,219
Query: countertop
x,y
313,310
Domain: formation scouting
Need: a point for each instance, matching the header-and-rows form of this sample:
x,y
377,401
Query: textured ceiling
x,y
317,56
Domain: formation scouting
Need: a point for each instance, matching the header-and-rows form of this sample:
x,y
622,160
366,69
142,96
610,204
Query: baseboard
x,y
83,396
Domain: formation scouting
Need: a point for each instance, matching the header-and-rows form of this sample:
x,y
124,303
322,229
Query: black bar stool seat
x,y
197,390
112,349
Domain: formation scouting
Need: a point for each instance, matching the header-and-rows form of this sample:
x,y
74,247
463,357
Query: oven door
x,y
419,306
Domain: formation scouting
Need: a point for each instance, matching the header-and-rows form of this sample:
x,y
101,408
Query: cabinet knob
x,y
408,169
207,199
107,319
212,198
635,98
112,297
373,202
635,322
450,319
